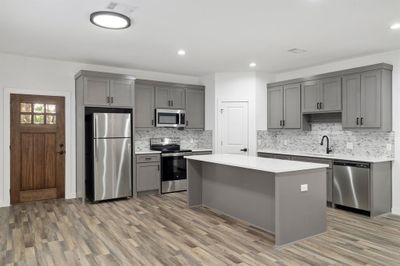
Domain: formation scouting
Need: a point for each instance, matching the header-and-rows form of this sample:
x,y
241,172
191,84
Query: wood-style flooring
x,y
161,230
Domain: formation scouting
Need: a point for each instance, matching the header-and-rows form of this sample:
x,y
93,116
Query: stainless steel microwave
x,y
170,118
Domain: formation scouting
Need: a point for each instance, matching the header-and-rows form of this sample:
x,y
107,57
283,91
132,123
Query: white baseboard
x,y
396,210
70,196
4,204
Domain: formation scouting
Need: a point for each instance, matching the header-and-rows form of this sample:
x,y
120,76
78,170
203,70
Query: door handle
x,y
245,149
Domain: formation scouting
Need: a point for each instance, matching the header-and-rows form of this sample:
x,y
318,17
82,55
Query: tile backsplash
x,y
190,139
365,142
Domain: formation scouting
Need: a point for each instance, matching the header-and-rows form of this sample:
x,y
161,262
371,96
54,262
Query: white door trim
x,y
70,182
219,123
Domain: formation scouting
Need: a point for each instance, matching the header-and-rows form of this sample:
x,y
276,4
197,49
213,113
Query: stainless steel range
x,y
173,164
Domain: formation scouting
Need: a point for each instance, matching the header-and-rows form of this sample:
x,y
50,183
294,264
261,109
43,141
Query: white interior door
x,y
234,127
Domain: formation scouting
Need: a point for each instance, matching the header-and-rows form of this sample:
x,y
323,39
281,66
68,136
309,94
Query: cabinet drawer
x,y
147,158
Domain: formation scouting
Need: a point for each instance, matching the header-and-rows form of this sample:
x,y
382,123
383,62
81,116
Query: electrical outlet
x,y
285,142
388,147
349,145
191,141
304,187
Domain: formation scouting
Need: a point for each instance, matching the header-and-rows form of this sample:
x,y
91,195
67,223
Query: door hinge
x,y
222,110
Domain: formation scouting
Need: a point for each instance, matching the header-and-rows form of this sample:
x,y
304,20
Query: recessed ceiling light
x,y
395,26
252,64
297,51
110,20
181,52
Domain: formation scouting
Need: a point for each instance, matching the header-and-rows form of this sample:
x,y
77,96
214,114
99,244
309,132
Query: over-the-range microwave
x,y
170,118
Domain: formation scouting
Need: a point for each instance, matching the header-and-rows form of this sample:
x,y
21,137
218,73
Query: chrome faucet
x,y
328,149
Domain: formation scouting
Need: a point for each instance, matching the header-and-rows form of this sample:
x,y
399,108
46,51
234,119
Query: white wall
x,y
28,73
391,58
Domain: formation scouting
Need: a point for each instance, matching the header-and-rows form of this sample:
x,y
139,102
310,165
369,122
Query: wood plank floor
x,y
161,230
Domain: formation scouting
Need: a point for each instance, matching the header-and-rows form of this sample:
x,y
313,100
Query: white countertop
x,y
256,163
331,156
156,152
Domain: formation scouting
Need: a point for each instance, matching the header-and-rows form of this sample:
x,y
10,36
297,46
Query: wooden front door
x,y
37,148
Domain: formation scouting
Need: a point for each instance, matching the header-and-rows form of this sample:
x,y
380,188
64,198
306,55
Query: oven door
x,y
170,118
173,174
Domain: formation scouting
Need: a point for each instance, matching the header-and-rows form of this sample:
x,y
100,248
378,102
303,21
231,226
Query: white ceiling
x,y
218,35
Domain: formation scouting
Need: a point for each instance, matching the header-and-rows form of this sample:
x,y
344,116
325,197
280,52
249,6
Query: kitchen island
x,y
284,198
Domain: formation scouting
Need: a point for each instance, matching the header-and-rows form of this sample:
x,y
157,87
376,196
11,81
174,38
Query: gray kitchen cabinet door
x,y
162,97
351,101
275,107
194,109
310,96
121,93
371,99
177,98
292,108
96,91
144,106
147,176
330,94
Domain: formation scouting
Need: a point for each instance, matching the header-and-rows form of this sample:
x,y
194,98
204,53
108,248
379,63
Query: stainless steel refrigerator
x,y
112,170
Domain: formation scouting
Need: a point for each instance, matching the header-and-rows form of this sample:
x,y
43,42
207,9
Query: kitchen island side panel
x,y
300,214
241,193
195,183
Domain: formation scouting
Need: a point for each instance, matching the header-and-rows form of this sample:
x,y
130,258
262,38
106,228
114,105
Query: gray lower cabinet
x,y
323,95
108,92
284,107
169,97
147,172
195,109
144,106
367,100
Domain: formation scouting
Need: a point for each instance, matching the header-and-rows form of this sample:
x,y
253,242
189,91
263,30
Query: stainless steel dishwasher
x,y
351,185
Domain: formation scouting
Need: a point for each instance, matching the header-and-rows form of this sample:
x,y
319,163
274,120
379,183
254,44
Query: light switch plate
x,y
349,145
304,187
388,147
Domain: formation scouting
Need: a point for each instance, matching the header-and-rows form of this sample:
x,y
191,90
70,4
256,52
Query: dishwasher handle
x,y
352,164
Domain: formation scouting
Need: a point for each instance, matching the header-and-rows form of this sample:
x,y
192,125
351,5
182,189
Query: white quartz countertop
x,y
257,163
331,156
156,152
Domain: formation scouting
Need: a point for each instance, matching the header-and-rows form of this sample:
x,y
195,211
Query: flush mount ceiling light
x,y
395,26
110,20
252,64
181,52
297,51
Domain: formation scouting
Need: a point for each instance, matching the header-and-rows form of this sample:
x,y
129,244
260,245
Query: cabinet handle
x,y
357,120
152,122
112,99
169,103
172,103
280,122
283,122
187,122
320,105
108,99
362,121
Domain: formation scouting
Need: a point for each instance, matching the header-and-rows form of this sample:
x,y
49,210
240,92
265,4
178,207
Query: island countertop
x,y
256,163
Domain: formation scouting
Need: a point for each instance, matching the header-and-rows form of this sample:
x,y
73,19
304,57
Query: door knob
x,y
61,152
245,149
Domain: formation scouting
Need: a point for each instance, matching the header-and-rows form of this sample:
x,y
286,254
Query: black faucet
x,y
328,149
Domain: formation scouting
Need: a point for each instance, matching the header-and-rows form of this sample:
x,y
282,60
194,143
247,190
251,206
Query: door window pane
x,y
38,119
50,119
50,108
38,108
26,108
26,119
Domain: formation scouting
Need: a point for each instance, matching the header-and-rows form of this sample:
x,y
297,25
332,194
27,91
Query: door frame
x,y
70,180
218,125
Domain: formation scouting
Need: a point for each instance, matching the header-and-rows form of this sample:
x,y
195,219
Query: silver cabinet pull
x,y
112,99
362,121
357,120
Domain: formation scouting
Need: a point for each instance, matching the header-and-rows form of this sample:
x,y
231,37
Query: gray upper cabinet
x,y
292,110
323,95
144,106
169,97
195,109
367,100
121,93
284,107
96,91
310,97
275,107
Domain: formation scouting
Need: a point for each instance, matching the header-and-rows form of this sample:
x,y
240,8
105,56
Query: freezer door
x,y
112,168
112,125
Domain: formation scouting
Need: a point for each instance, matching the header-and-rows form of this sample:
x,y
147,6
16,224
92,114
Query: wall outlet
x,y
304,187
191,141
285,142
388,147
349,145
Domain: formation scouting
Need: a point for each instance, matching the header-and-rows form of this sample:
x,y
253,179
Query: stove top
x,y
166,145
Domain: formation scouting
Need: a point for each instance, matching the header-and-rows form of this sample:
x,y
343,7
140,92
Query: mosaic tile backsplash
x,y
190,139
365,143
